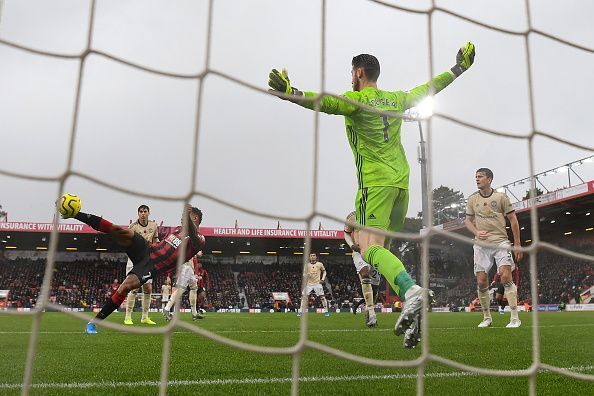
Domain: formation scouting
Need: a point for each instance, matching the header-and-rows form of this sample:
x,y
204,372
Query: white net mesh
x,y
303,342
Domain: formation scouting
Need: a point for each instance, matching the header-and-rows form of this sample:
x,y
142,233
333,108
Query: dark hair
x,y
369,63
488,172
144,207
197,212
310,253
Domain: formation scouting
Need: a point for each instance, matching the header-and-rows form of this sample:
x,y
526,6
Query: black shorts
x,y
501,290
139,254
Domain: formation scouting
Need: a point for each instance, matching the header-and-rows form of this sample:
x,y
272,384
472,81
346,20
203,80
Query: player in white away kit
x,y
316,275
187,278
165,292
148,230
489,209
368,275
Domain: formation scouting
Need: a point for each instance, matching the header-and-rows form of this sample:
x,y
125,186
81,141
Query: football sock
x,y
483,296
324,303
96,222
391,268
130,301
146,303
171,301
193,294
304,303
367,293
511,293
116,300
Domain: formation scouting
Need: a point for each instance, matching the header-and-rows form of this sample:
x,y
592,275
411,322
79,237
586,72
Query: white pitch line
x,y
310,330
251,381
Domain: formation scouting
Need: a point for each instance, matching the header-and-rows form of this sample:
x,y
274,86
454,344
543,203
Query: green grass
x,y
67,355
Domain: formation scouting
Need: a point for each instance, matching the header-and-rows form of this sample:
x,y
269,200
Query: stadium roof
x,y
565,213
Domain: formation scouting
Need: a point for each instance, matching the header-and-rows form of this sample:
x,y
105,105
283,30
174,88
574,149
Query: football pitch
x,y
68,361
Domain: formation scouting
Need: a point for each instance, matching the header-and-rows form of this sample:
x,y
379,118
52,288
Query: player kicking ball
x,y
149,259
382,167
486,211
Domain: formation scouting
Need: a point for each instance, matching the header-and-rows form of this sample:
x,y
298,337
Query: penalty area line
x,y
252,381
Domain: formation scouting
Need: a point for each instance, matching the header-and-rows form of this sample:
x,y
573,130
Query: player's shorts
x,y
129,266
318,289
165,298
374,275
382,207
186,278
484,256
500,290
138,252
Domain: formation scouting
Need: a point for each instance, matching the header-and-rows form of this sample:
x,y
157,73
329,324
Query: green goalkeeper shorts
x,y
382,207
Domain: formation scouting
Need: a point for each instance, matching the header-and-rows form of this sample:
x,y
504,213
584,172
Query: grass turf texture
x,y
121,363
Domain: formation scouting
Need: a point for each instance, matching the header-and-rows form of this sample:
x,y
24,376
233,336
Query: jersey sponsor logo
x,y
173,240
147,276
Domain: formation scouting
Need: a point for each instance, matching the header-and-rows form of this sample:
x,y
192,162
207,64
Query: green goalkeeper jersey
x,y
374,138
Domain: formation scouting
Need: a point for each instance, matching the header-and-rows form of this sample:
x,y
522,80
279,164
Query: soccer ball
x,y
69,205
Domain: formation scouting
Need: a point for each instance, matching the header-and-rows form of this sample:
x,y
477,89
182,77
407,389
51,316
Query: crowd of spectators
x,y
89,283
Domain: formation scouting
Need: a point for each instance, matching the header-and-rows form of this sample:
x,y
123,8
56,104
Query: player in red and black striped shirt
x,y
149,259
203,282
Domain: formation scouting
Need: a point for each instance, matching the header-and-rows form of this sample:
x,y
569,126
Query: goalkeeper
x,y
381,164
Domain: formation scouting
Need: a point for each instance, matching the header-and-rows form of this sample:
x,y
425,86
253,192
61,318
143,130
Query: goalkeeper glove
x,y
279,82
464,59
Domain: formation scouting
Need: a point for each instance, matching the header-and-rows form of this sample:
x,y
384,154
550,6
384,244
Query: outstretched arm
x,y
464,59
279,82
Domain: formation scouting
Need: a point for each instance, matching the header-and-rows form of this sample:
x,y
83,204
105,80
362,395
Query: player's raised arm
x,y
464,59
279,82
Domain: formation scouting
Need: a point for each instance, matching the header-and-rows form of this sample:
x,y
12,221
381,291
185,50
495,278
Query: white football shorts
x,y
186,278
129,266
374,275
318,289
484,256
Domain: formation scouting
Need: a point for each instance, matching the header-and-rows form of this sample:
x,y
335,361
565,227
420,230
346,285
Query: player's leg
x,y
305,299
483,261
500,298
131,298
147,290
201,301
168,310
363,269
385,208
319,290
504,261
357,304
196,299
483,296
122,236
193,293
117,298
374,209
367,289
164,301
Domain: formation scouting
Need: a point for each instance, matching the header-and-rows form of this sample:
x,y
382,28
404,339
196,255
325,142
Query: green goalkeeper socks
x,y
391,268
